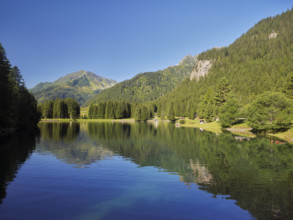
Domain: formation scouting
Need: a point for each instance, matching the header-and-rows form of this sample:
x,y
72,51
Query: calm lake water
x,y
140,171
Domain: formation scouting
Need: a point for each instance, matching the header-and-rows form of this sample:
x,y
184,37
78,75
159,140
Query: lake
x,y
143,171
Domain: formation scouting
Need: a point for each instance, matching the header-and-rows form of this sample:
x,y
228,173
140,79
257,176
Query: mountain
x,y
149,85
260,60
81,85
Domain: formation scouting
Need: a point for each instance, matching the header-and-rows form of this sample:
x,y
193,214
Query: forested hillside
x,y
81,85
18,107
147,86
260,60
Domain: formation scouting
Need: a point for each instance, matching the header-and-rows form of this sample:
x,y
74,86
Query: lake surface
x,y
142,171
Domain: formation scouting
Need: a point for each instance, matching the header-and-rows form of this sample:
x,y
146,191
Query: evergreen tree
x,y
18,108
228,112
222,91
56,111
63,109
137,114
127,110
96,111
5,91
58,108
73,108
47,109
177,109
144,113
120,110
90,111
209,112
190,111
288,90
16,76
171,115
101,110
271,111
110,110
206,108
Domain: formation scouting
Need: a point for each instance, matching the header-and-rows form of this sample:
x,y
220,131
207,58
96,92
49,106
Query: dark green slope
x,y
258,61
81,85
148,86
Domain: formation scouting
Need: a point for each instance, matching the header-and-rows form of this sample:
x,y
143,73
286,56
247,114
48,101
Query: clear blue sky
x,y
118,39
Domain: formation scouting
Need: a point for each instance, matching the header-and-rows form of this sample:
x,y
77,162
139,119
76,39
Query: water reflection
x,y
14,151
57,132
65,142
256,173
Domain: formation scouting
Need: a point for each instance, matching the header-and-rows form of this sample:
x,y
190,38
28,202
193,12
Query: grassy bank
x,y
287,135
241,130
212,126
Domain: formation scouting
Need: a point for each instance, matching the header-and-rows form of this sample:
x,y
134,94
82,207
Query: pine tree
x,y
222,91
190,111
101,110
56,108
110,110
16,76
73,108
137,113
5,91
228,112
90,111
127,110
144,113
171,115
18,108
95,111
63,109
119,110
288,90
47,109
208,115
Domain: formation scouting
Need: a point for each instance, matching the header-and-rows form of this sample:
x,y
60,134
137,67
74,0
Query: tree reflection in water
x,y
14,151
256,173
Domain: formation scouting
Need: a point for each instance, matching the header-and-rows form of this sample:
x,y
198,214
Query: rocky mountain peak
x,y
188,60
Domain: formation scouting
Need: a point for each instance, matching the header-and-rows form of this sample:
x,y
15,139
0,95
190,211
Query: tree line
x,y
18,107
119,110
60,108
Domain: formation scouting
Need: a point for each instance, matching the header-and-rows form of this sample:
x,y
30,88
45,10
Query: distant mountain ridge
x,y
148,86
81,85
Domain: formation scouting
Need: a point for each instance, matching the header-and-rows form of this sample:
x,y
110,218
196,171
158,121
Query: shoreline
x,y
241,129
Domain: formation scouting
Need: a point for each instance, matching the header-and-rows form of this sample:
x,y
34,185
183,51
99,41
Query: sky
x,y
118,39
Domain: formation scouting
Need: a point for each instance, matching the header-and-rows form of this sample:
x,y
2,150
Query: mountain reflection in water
x,y
257,173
